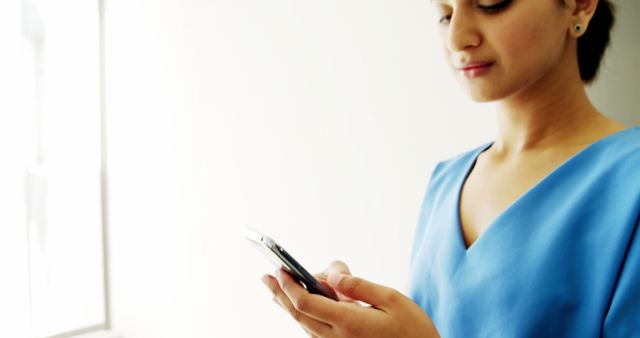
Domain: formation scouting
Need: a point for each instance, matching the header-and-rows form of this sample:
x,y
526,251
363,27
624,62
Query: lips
x,y
476,68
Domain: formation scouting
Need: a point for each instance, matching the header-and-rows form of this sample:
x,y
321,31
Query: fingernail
x,y
265,280
334,278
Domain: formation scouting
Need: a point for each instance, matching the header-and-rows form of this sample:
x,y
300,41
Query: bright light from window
x,y
52,168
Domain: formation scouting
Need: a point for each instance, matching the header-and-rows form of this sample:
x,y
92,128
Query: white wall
x,y
317,122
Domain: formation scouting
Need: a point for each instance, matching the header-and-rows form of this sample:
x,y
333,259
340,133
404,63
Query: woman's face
x,y
498,48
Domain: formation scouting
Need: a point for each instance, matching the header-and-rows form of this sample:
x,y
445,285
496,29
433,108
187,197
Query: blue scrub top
x,y
562,261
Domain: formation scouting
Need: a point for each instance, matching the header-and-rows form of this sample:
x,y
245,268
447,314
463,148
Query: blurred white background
x,y
51,256
317,123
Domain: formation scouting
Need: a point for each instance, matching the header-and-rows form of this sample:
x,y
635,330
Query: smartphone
x,y
282,259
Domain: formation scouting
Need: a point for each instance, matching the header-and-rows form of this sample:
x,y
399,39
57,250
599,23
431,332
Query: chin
x,y
483,96
483,99
484,91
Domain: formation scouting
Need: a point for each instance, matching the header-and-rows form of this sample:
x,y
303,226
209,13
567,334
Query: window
x,y
51,228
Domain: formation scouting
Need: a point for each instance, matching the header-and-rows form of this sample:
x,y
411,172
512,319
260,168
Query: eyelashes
x,y
491,9
496,7
445,19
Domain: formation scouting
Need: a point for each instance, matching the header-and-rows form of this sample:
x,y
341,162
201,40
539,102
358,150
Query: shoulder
x,y
604,177
448,174
457,165
626,144
619,155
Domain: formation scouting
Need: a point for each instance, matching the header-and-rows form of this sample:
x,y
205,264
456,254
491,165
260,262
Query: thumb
x,y
360,289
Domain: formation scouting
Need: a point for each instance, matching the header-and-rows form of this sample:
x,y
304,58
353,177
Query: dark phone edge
x,y
314,286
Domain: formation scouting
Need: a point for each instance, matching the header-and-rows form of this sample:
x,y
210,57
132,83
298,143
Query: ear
x,y
581,13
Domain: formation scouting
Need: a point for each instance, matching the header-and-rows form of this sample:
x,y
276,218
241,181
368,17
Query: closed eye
x,y
495,8
445,19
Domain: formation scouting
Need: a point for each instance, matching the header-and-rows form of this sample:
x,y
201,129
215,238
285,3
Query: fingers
x,y
337,267
314,327
341,297
359,289
315,306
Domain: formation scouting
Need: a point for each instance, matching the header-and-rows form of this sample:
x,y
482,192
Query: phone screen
x,y
282,259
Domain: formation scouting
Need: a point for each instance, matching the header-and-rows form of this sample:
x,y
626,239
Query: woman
x,y
532,235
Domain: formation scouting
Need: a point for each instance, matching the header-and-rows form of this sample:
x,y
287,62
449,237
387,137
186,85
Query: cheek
x,y
528,45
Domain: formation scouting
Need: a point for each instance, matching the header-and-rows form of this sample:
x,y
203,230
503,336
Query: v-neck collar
x,y
459,238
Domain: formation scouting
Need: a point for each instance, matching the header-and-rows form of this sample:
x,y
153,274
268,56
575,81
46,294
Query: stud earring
x,y
578,28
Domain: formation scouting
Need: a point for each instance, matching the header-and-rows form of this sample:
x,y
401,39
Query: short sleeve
x,y
623,317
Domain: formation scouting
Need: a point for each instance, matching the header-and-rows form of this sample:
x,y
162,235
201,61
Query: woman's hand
x,y
390,313
335,267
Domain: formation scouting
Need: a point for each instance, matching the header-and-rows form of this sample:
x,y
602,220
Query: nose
x,y
463,33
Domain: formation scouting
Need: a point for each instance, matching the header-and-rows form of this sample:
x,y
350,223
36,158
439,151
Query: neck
x,y
549,112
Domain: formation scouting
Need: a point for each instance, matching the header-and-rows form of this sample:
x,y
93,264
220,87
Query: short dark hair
x,y
594,42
